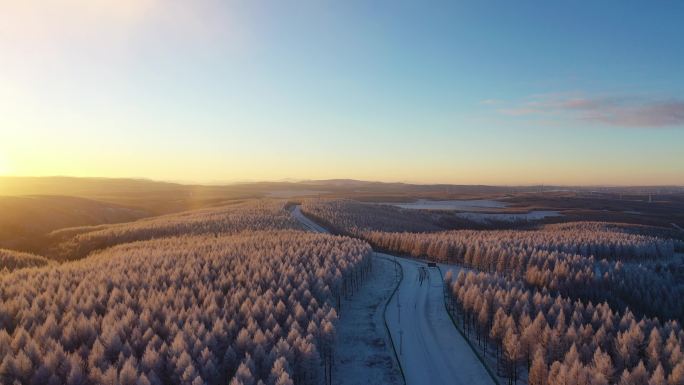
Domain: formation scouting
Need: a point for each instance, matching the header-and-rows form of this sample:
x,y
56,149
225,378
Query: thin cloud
x,y
491,102
611,111
657,114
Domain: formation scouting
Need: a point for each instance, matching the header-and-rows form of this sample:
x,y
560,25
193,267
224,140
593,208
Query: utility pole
x,y
401,342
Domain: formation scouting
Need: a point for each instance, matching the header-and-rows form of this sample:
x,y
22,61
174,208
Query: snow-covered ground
x,y
363,354
509,217
431,350
455,204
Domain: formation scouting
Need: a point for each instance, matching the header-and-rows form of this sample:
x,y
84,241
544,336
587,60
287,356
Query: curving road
x,y
431,350
308,223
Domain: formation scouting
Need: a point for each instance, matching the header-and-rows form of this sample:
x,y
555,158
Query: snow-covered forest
x,y
558,340
356,218
589,260
351,217
202,303
11,260
573,303
243,295
77,242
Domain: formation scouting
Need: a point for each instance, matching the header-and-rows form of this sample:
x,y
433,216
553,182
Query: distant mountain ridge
x,y
87,186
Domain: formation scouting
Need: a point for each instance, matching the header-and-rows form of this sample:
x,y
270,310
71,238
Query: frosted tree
x,y
601,368
538,373
658,376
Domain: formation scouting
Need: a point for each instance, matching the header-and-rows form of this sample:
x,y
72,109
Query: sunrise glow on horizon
x,y
213,91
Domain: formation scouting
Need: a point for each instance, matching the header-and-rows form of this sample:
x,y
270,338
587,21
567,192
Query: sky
x,y
467,92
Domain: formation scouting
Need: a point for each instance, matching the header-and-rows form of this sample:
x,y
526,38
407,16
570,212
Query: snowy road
x,y
308,223
431,350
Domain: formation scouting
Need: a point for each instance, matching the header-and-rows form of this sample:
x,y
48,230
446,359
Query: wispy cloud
x,y
619,111
490,102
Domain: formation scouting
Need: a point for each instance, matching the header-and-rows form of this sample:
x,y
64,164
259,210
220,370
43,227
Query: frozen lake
x,y
456,204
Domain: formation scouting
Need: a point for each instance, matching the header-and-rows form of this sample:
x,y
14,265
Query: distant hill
x,y
25,219
133,190
80,186
147,195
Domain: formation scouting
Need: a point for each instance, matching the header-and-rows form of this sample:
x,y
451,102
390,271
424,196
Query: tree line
x,y
343,216
11,260
76,243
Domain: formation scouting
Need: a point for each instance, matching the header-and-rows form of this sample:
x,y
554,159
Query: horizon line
x,y
299,181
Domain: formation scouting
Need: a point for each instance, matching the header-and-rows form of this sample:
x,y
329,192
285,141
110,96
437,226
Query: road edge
x,y
384,313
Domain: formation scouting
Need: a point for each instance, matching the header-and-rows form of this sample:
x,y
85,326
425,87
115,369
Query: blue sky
x,y
521,92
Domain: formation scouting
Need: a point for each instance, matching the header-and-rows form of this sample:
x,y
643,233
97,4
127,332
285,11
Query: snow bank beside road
x,y
363,354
